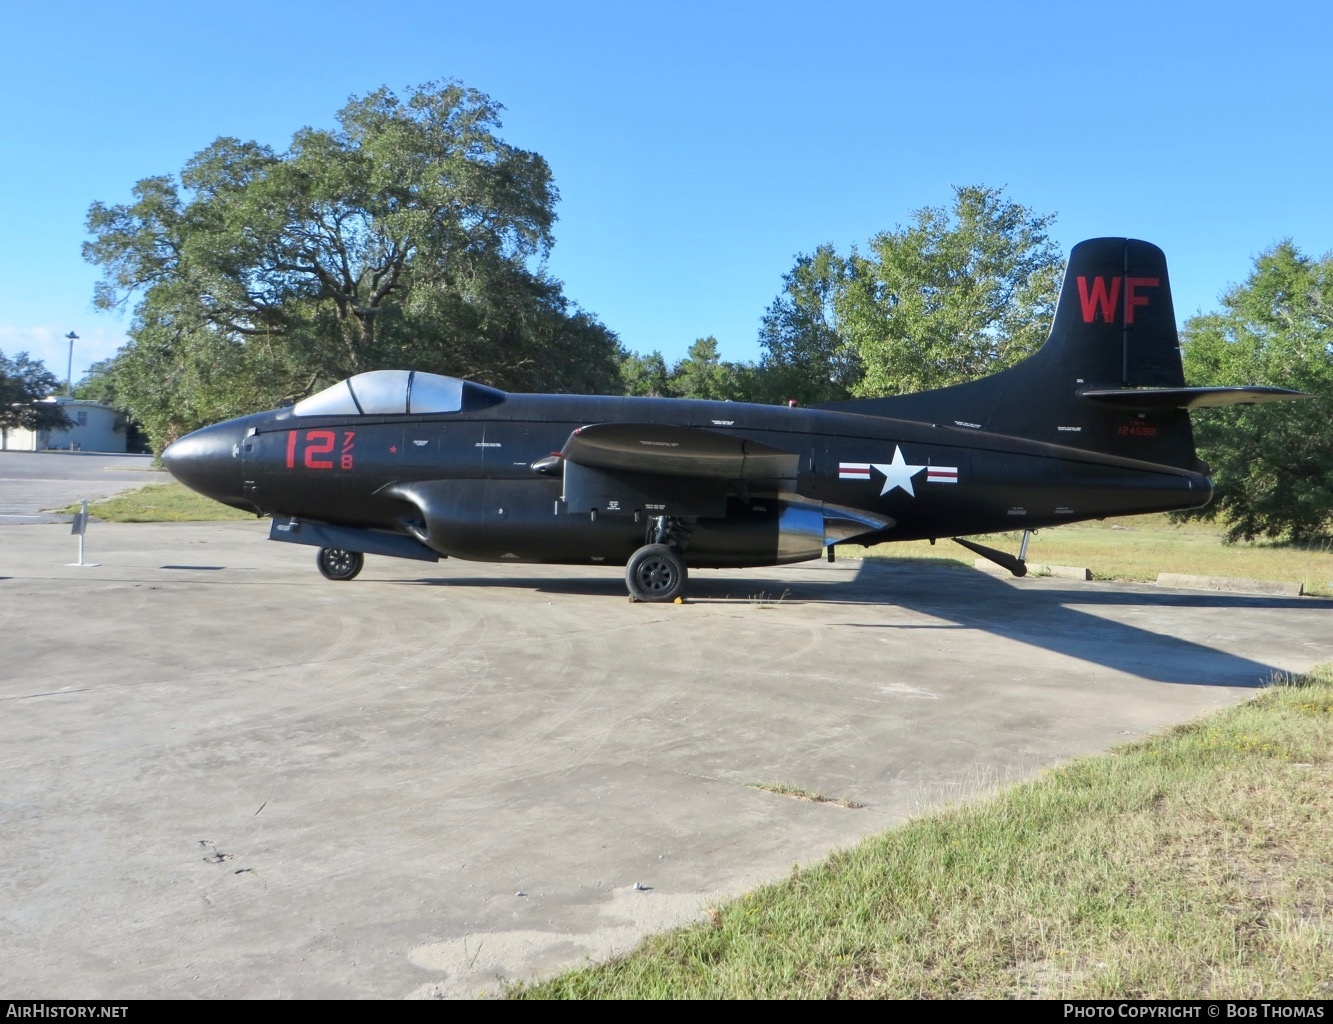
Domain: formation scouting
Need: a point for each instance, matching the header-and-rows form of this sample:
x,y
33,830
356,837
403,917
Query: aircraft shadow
x,y
1057,618
612,586
960,599
701,590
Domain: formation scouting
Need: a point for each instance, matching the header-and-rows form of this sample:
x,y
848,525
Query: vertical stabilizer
x,y
1115,325
1114,329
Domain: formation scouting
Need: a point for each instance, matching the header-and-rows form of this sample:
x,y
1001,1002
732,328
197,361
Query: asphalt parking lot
x,y
31,483
224,776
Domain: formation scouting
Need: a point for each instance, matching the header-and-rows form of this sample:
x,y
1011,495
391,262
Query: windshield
x,y
385,392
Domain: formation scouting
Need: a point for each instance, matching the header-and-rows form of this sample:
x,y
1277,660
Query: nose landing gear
x,y
339,563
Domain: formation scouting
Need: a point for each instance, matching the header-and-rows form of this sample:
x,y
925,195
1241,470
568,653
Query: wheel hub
x,y
657,575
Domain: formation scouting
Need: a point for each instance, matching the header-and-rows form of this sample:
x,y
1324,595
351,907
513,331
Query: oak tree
x,y
411,235
1272,464
24,383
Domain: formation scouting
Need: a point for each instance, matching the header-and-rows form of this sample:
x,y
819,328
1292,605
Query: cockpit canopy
x,y
396,393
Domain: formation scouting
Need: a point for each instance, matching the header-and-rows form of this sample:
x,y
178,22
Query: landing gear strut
x,y
339,563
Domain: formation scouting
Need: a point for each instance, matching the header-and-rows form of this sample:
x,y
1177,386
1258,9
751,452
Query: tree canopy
x,y
954,296
704,374
957,294
409,236
701,374
24,382
1272,464
806,357
646,376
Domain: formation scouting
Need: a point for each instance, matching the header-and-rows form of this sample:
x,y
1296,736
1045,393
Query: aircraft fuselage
x,y
495,501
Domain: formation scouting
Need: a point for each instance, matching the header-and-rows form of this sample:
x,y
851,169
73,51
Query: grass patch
x,y
161,503
1195,864
797,793
1140,547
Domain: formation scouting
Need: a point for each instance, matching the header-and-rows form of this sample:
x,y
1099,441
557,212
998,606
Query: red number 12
x,y
320,442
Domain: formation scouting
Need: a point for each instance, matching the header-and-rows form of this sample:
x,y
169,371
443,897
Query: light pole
x,y
69,372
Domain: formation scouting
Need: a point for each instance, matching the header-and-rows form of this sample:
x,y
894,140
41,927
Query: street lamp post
x,y
69,372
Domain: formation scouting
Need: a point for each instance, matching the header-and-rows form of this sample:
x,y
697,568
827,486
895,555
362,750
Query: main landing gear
x,y
339,563
657,572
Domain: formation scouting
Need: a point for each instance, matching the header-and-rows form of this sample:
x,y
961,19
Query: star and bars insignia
x,y
898,473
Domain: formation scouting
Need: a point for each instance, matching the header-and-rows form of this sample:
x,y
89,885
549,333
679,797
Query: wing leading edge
x,y
666,470
663,450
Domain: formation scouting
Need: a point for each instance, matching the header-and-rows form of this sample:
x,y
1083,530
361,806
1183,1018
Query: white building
x,y
96,428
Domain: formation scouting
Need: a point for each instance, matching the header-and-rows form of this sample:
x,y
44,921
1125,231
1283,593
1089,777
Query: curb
x,y
1064,572
1229,585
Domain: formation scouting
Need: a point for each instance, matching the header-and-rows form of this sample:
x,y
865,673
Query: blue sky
x,y
699,147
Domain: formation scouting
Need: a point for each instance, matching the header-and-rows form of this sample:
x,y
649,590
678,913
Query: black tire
x,y
655,573
339,563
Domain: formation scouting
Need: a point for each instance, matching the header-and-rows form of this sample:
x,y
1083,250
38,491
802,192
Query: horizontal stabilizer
x,y
1187,398
661,450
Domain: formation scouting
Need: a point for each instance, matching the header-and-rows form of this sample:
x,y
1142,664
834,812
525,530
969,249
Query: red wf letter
x,y
1132,300
1100,299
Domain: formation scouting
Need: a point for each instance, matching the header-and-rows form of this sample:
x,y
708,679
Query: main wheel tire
x,y
339,563
655,573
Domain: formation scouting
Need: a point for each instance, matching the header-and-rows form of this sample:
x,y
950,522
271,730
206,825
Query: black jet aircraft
x,y
417,465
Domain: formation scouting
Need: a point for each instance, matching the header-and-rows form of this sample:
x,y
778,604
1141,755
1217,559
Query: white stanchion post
x,y
80,526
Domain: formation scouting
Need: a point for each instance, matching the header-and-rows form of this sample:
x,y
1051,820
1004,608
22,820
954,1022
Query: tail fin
x,y
1115,322
1108,379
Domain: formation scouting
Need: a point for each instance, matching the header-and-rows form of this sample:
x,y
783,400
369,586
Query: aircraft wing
x,y
668,470
665,450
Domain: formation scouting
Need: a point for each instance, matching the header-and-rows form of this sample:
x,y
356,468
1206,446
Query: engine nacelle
x,y
761,533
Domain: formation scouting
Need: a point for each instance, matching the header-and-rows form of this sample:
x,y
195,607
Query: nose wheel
x,y
339,563
655,573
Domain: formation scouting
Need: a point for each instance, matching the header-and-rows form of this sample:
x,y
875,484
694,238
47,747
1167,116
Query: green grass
x,y
1196,864
161,503
1140,547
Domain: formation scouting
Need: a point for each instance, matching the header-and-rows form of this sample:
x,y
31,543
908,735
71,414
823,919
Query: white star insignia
x,y
898,473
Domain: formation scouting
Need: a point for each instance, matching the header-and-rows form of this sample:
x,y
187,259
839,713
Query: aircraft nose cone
x,y
209,461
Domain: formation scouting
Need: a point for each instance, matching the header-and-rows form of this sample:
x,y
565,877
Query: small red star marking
x,y
393,449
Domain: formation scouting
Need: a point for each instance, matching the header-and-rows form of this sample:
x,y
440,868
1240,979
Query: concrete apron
x,y
222,775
